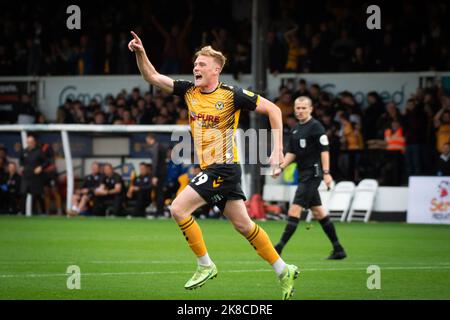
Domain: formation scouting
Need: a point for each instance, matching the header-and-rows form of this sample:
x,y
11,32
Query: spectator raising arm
x,y
147,70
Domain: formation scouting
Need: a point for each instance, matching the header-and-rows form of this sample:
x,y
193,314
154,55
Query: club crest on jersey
x,y
219,105
302,143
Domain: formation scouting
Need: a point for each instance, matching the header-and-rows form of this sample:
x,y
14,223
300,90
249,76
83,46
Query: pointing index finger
x,y
134,35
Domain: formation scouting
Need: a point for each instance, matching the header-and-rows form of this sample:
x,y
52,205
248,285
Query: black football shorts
x,y
219,183
307,194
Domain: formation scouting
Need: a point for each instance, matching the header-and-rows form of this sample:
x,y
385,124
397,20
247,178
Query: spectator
x,y
174,50
302,90
3,154
191,172
108,56
320,57
443,163
158,155
3,186
83,57
140,190
110,193
26,113
276,52
183,117
285,103
358,61
124,64
415,130
385,121
82,198
394,137
174,170
99,118
442,125
10,190
50,175
32,161
341,50
371,115
294,50
395,145
127,118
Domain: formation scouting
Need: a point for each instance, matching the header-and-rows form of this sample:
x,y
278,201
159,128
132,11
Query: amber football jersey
x,y
214,118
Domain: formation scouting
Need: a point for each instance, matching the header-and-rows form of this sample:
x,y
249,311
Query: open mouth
x,y
198,77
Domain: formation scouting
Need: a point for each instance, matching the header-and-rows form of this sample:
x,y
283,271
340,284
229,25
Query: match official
x,y
308,145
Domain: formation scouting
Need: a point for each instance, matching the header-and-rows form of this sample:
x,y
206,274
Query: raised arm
x,y
269,109
147,70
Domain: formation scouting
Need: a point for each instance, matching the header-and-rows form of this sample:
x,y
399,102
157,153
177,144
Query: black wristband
x,y
326,171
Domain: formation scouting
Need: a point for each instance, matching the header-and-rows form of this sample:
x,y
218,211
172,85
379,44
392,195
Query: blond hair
x,y
210,52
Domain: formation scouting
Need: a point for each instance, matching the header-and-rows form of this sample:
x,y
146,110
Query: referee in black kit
x,y
308,145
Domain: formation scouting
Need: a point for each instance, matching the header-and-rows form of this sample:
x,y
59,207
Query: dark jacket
x,y
30,160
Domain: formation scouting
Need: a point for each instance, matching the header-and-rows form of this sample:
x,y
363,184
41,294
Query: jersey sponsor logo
x,y
204,117
217,182
323,140
302,143
249,93
219,105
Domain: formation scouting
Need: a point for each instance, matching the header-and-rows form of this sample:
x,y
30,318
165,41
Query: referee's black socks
x,y
292,223
330,231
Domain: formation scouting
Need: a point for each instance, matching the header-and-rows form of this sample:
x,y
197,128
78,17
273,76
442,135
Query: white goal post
x,y
65,129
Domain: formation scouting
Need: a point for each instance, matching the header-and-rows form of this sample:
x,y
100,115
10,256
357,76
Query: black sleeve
x,y
84,185
22,158
18,182
181,86
322,139
290,144
244,99
43,160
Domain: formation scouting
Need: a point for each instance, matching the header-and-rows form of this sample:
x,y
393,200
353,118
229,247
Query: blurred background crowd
x,y
302,36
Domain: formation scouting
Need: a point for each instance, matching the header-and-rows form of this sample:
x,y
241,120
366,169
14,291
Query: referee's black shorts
x,y
307,194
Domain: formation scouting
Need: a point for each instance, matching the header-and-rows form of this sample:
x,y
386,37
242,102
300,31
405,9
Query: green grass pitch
x,y
149,259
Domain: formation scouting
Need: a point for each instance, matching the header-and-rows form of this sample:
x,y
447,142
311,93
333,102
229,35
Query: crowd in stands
x,y
314,36
415,140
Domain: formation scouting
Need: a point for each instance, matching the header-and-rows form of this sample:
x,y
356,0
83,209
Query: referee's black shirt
x,y
307,141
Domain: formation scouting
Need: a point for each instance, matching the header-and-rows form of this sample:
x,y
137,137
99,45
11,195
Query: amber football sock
x,y
193,234
259,239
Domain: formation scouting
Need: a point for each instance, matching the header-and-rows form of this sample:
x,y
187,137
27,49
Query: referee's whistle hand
x,y
328,179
